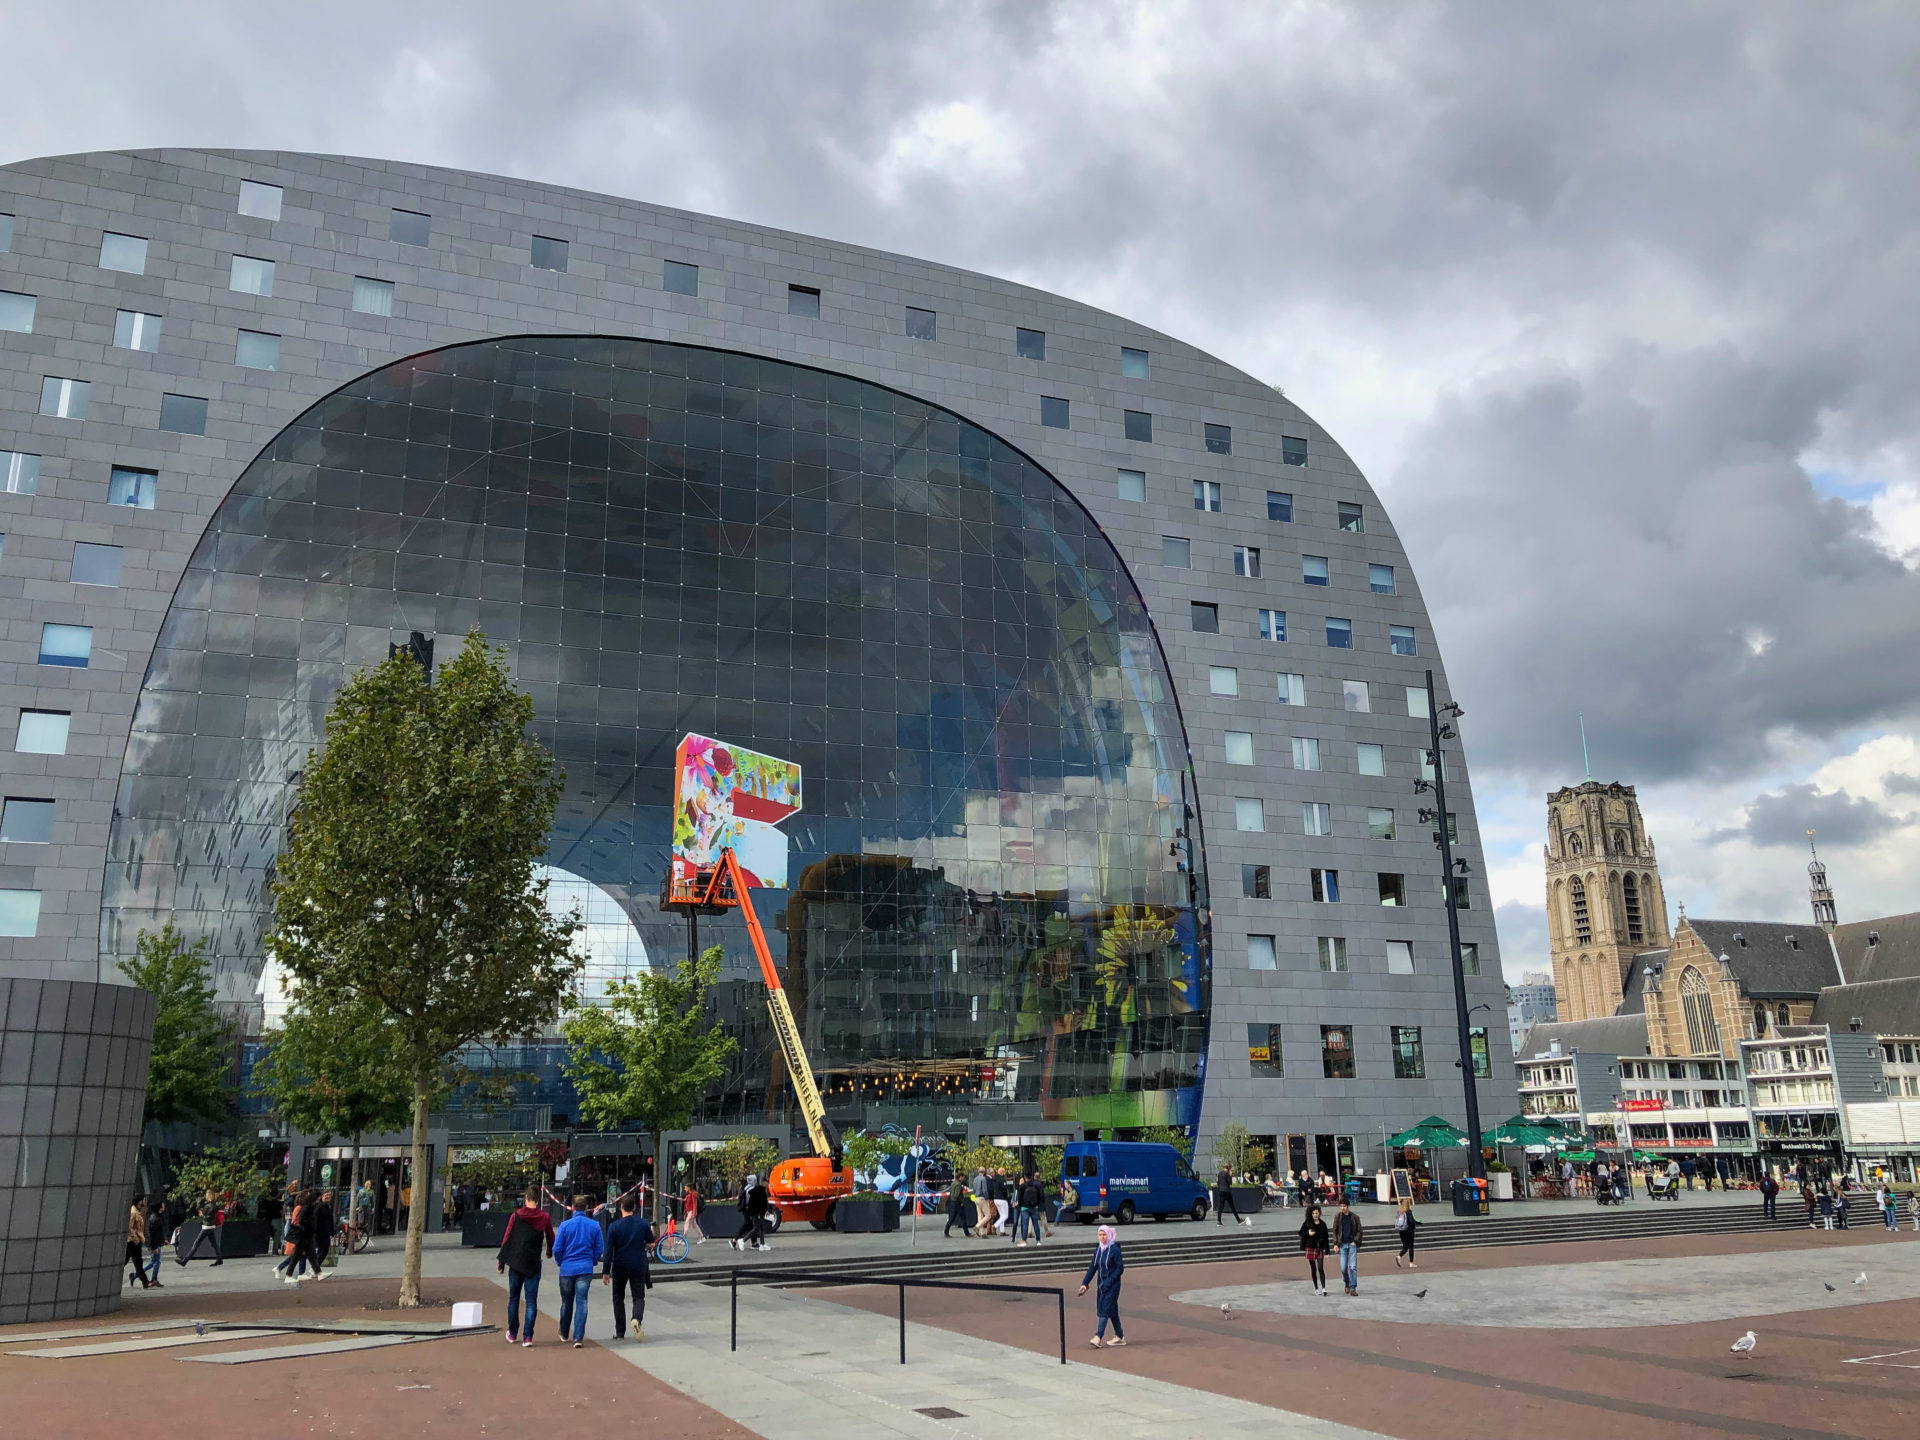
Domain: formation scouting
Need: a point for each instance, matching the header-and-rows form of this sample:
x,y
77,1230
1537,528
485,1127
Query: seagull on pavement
x,y
1861,1278
1744,1345
1226,1309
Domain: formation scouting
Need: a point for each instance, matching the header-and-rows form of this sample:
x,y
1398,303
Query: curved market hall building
x,y
1100,659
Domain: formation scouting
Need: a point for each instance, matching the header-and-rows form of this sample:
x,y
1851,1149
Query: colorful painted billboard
x,y
730,798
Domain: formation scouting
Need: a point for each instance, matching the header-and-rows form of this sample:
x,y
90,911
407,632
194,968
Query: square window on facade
x,y
1352,518
1239,747
1263,1050
1176,552
1293,689
409,227
803,300
1306,753
26,822
19,472
547,253
1249,814
250,276
1219,439
1370,759
1206,495
1132,485
260,201
132,487
677,278
1409,1056
183,414
1417,701
1030,344
372,297
1246,561
1477,1043
1223,680
1336,1049
1400,639
1313,570
1339,633
1273,626
1379,823
1380,579
96,564
1326,886
1139,425
17,312
1470,959
1393,889
70,645
1054,411
1316,817
1205,616
63,399
135,330
1256,882
6,233
257,350
42,732
19,913
1462,898
125,253
1133,364
921,324
1293,450
1260,953
1354,696
1279,505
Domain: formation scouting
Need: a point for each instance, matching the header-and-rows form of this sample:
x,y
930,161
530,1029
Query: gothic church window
x,y
1696,1001
1582,926
1781,1016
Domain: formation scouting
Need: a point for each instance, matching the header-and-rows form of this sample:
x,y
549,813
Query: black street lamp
x,y
1476,1160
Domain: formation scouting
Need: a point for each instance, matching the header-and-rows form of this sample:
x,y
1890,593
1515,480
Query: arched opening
x,y
1696,1002
1582,923
1781,1014
1636,930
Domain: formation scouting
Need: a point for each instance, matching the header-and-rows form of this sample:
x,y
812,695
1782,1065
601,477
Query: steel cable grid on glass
x,y
990,902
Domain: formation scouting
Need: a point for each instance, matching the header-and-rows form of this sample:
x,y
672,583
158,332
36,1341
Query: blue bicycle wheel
x,y
671,1249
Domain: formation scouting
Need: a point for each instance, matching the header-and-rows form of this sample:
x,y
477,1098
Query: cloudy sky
x,y
1615,304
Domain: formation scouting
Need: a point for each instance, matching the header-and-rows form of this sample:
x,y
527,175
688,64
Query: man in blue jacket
x,y
577,1247
629,1251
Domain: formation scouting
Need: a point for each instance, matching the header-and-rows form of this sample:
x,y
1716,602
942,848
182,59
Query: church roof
x,y
1883,1007
1895,956
1603,1035
1633,998
1770,959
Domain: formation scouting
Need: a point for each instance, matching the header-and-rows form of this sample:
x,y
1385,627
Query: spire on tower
x,y
1824,913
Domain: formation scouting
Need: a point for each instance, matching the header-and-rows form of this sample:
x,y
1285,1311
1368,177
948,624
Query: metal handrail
x,y
824,1277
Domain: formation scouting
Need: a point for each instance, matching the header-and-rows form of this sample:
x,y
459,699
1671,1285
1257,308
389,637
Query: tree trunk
x,y
659,1180
353,1180
421,1183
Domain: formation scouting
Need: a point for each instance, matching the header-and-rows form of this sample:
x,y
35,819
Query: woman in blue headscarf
x,y
1106,1266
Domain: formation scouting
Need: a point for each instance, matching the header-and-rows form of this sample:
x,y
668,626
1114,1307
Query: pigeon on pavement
x,y
199,1327
1829,1287
1419,1294
1744,1344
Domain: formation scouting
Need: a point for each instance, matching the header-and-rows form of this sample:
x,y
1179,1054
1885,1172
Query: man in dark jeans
x,y
213,1216
628,1267
1769,1192
521,1248
1029,1197
753,1212
1223,1200
320,1233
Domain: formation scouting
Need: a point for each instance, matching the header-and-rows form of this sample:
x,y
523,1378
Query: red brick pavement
x,y
1438,1382
477,1385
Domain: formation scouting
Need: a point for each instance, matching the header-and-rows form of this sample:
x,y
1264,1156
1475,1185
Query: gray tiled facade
x,y
473,281
73,1076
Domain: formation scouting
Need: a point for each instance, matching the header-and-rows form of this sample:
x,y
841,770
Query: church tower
x,y
1821,893
1605,903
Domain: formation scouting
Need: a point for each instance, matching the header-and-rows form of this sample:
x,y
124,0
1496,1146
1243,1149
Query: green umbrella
x,y
1521,1130
1432,1133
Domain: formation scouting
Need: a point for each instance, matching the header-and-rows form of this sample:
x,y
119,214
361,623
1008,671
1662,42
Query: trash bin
x,y
1469,1197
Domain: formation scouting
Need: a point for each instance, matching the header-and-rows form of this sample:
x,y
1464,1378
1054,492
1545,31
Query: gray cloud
x,y
1785,816
1523,939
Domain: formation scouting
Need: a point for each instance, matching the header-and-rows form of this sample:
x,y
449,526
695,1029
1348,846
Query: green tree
x,y
330,1069
502,1164
232,1172
192,1071
408,877
1174,1135
745,1154
644,1055
1231,1147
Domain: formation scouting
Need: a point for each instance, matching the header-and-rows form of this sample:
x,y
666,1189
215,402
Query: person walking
x,y
213,1219
690,1215
1105,1267
298,1244
577,1248
1030,1198
1687,1168
1002,1201
753,1211
956,1208
321,1230
528,1235
629,1268
1809,1199
1347,1233
1223,1200
137,1242
1404,1225
1840,1205
156,1238
1314,1240
1769,1193
1889,1206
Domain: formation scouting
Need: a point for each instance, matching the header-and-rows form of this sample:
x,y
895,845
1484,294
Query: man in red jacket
x,y
529,1236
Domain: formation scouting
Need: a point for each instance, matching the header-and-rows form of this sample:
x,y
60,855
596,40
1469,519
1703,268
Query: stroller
x,y
1663,1187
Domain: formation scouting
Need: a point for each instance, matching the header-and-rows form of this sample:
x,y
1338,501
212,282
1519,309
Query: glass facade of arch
x,y
991,903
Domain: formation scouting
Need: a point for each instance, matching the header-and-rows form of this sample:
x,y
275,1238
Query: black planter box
x,y
721,1221
239,1239
866,1217
1250,1198
484,1229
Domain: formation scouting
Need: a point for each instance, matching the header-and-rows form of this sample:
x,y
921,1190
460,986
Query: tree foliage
x,y
644,1055
408,878
1174,1135
233,1173
191,1074
334,1069
501,1165
743,1154
1236,1149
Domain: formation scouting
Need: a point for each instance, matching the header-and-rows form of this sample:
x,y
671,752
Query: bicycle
x,y
671,1248
353,1238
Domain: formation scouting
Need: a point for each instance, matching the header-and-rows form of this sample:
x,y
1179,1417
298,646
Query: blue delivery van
x,y
1122,1180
